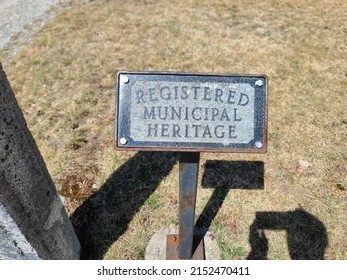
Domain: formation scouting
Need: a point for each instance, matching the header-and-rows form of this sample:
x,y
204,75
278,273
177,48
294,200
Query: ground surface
x,y
289,203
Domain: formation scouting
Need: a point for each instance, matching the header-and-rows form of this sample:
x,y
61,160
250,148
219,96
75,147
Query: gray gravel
x,y
15,14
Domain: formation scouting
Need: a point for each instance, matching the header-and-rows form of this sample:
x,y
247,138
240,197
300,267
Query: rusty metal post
x,y
186,245
188,181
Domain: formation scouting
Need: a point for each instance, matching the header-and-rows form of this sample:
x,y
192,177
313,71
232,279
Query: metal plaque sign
x,y
191,112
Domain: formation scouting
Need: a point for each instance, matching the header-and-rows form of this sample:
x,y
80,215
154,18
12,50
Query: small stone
x,y
340,187
303,166
95,187
261,31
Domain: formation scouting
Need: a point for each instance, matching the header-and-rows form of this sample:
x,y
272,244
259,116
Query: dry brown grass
x,y
64,81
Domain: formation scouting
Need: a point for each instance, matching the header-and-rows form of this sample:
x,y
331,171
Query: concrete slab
x,y
13,244
27,191
156,248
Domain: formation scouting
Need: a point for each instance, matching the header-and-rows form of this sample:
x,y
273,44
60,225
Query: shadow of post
x,y
105,216
224,176
306,235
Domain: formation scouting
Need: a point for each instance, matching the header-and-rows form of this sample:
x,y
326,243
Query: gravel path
x,y
15,14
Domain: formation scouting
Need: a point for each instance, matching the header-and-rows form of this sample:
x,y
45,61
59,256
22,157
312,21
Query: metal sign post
x,y
186,245
189,169
190,113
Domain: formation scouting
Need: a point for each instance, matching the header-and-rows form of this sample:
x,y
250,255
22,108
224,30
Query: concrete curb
x,y
27,192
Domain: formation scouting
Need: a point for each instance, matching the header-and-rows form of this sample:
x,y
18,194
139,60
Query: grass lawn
x,y
288,203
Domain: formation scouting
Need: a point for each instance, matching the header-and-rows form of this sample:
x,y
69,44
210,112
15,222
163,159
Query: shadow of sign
x,y
306,235
224,176
247,175
105,216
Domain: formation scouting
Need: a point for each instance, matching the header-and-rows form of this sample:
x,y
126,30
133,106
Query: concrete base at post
x,y
156,248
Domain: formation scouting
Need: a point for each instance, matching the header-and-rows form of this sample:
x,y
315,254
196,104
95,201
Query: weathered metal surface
x,y
172,243
191,112
188,181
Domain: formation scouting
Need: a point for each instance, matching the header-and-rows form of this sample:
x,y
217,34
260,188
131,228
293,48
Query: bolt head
x,y
259,83
258,144
124,79
172,240
123,141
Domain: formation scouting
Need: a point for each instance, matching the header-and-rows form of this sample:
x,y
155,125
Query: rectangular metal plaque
x,y
191,112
